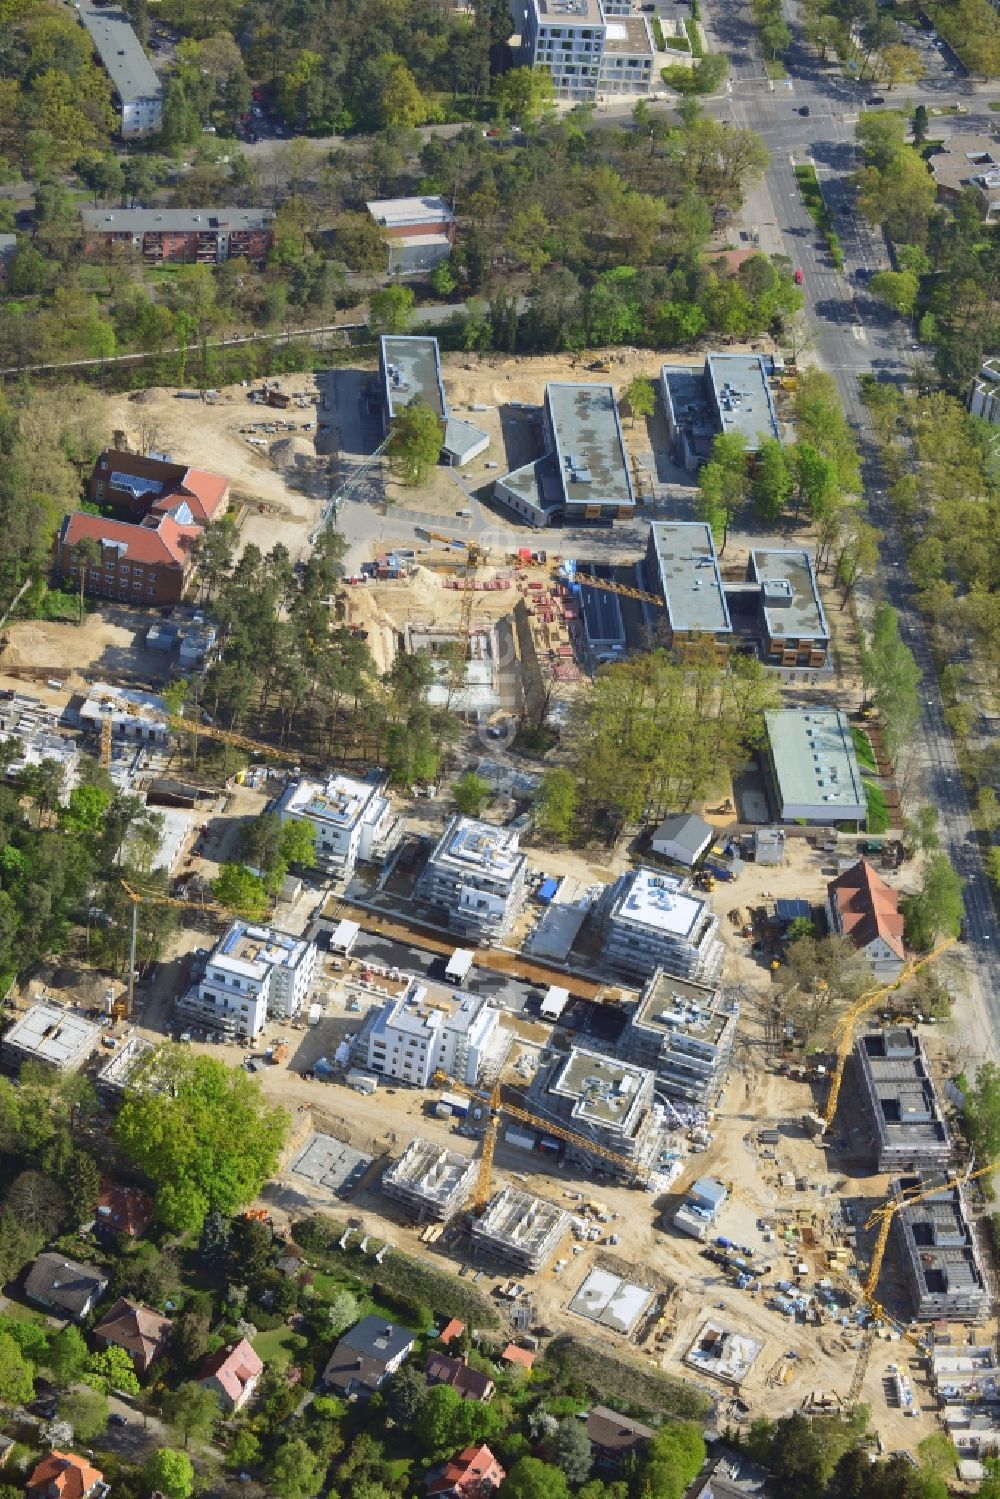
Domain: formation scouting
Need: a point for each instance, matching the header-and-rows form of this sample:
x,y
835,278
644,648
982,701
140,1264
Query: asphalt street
x,y
854,335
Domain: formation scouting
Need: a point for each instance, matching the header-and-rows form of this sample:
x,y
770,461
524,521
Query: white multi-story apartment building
x,y
353,820
476,876
590,47
254,973
420,1032
651,920
138,91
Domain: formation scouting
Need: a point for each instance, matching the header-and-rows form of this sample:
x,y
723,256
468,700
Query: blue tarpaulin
x,y
547,891
788,910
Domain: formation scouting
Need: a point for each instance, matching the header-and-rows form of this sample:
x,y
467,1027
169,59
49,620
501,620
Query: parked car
x,y
875,100
117,1419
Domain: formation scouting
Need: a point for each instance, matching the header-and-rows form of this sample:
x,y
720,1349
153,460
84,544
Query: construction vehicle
x,y
845,1031
495,1105
882,1218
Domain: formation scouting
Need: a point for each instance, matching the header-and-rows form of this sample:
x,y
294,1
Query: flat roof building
x,y
140,717
968,161
119,1071
940,1254
52,1034
476,877
30,729
602,1098
731,393
684,1031
681,561
588,47
352,820
522,1229
814,770
137,88
776,608
254,973
653,920
704,1202
984,393
427,1029
430,1180
908,1128
410,371
585,473
419,232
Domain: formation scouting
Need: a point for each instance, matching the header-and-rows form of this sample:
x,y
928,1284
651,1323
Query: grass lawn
x,y
812,197
863,750
18,1312
878,812
280,1346
775,68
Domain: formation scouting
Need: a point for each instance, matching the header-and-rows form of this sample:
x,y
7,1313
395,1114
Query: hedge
x,y
621,1385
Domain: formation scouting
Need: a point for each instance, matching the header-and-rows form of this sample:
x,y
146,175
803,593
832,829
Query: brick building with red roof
x,y
862,907
147,547
63,1475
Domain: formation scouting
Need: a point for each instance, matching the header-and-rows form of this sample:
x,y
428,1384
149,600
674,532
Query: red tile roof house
x,y
63,1475
232,1373
142,1332
148,546
473,1474
471,1384
861,906
451,1330
122,1210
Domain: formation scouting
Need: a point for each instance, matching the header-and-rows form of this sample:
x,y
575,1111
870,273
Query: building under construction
x,y
429,1180
684,1032
940,1254
520,1228
602,1099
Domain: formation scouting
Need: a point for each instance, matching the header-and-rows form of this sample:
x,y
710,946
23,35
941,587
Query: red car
x,y
799,278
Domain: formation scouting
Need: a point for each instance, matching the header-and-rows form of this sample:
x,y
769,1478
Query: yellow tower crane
x,y
122,1009
623,588
883,1218
496,1105
845,1026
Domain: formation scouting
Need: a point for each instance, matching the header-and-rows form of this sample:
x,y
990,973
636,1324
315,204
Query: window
x,y
137,586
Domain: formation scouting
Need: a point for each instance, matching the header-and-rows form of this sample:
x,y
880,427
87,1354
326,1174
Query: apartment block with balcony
x,y
352,820
138,91
475,877
425,1029
589,47
254,973
650,920
206,235
602,1099
684,1032
904,1116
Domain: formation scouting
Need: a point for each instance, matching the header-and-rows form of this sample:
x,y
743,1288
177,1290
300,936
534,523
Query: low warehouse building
x,y
814,768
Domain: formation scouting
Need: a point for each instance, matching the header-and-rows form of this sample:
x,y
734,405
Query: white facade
x,y
476,875
352,819
254,973
589,47
416,1035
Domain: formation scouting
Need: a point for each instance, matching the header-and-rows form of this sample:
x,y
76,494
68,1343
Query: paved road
x,y
854,335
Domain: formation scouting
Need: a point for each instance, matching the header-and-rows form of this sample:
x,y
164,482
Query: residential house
x,y
147,549
521,1357
861,906
366,1356
63,1475
232,1373
254,973
142,1332
614,1437
122,1210
205,235
684,838
451,1331
473,1474
351,819
64,1286
471,1384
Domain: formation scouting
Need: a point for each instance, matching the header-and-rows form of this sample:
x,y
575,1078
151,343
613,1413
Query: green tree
x,y
897,289
772,481
192,1411
723,484
297,1472
982,1112
672,1460
920,124
530,1478
525,95
936,909
114,1368
298,843
342,1312
570,1449
239,889
168,1472
16,1373
992,865
555,808
470,792
921,829
204,1136
988,807
415,444
67,1356
86,1411
443,280
390,310
640,397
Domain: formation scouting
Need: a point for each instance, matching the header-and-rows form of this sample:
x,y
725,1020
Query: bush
x,y
624,1387
694,35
